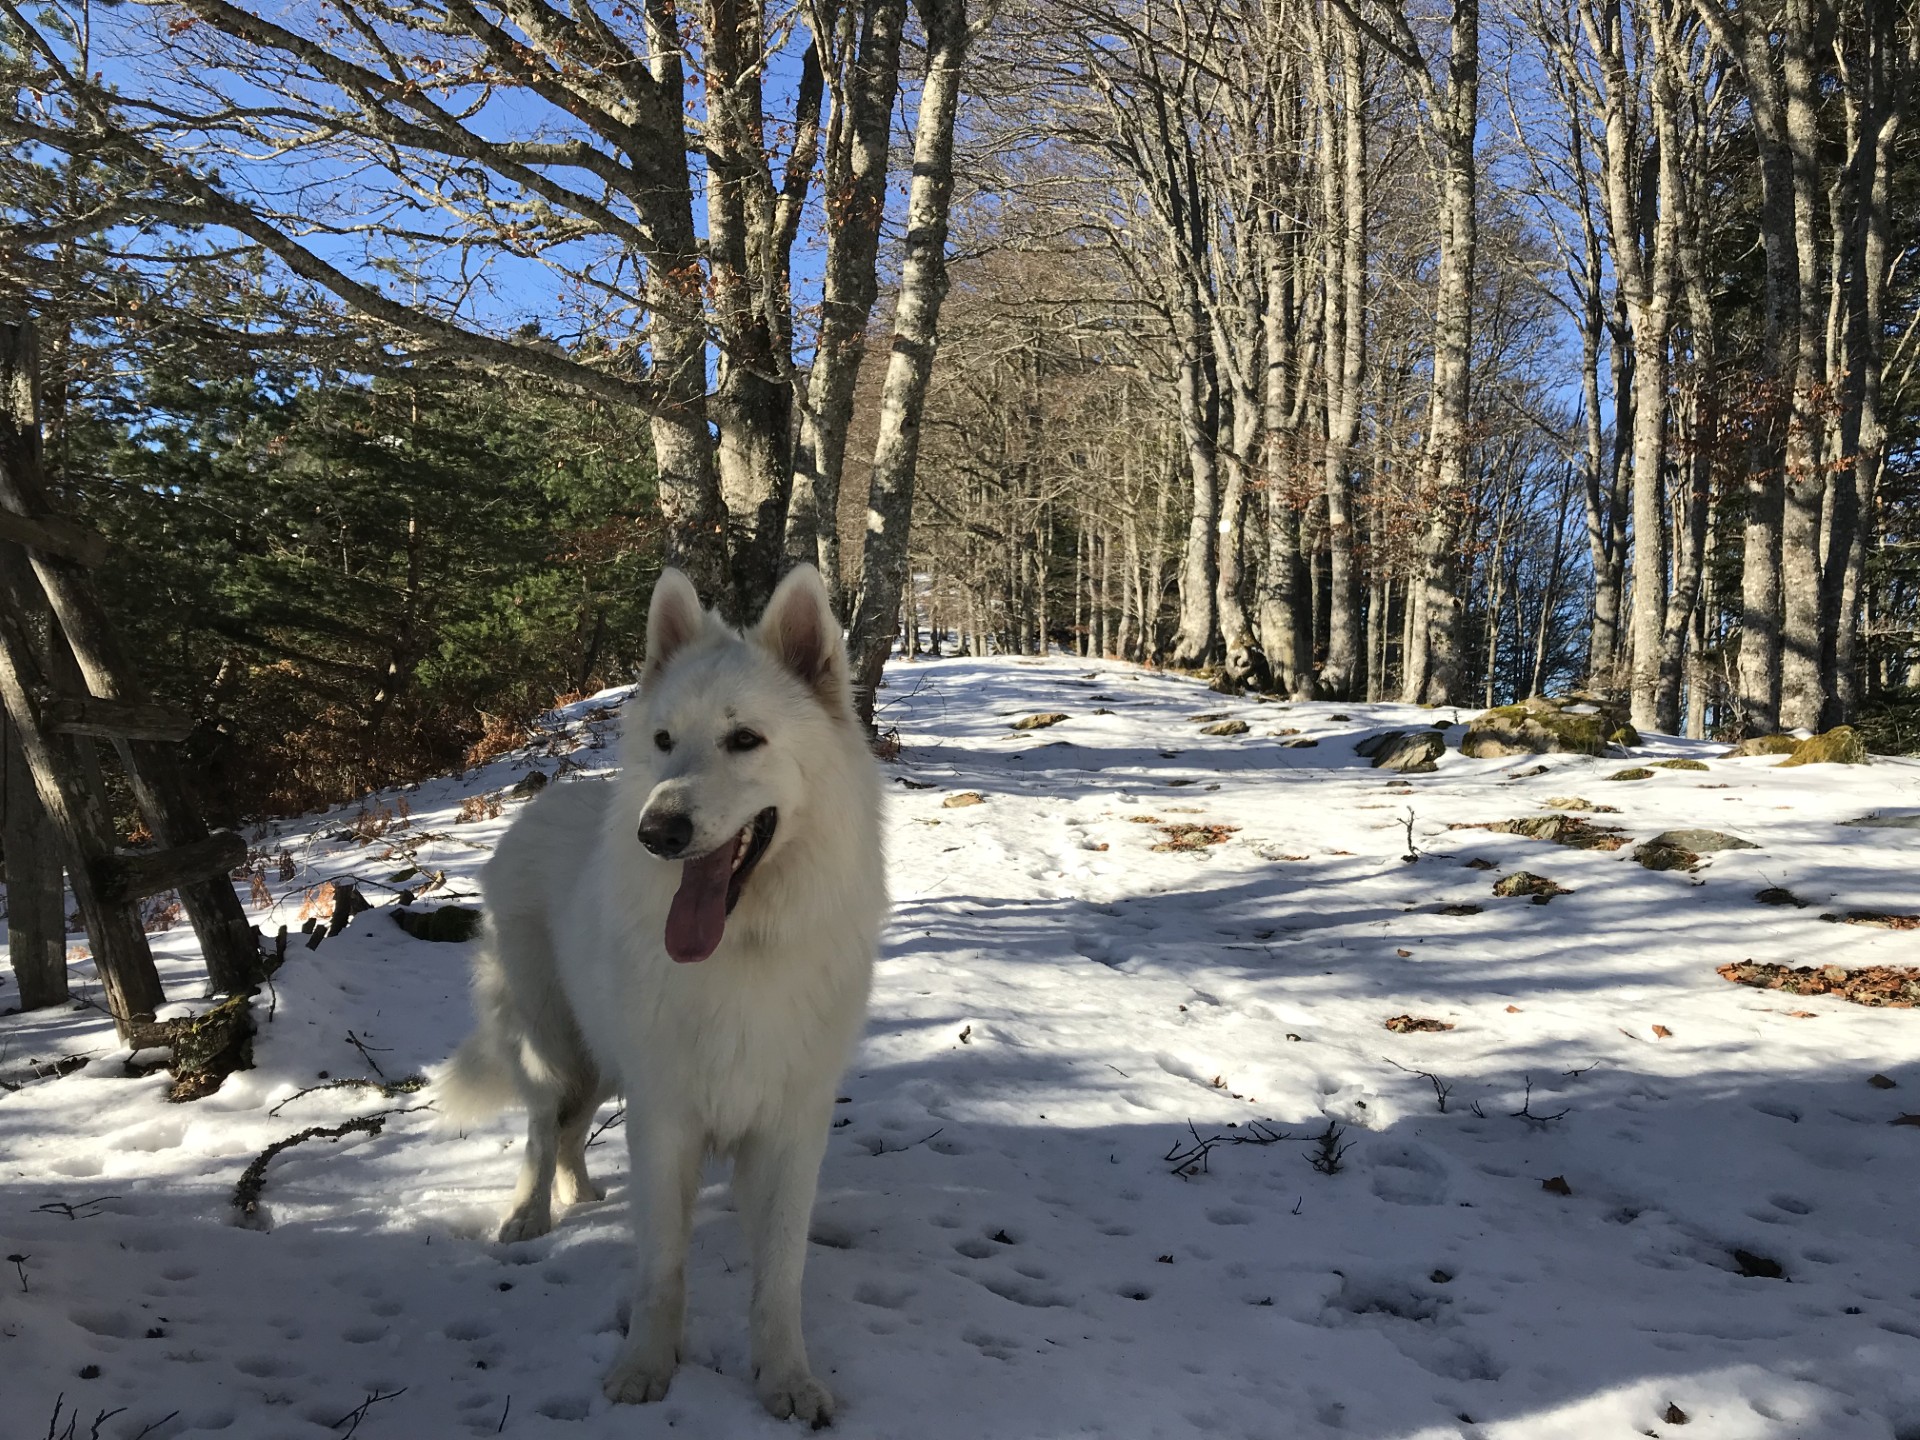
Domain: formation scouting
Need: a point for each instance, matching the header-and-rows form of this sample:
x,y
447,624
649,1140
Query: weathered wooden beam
x,y
129,877
114,719
77,809
51,535
36,898
160,785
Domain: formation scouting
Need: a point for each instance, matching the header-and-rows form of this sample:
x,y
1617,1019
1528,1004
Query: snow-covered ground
x,y
1004,1247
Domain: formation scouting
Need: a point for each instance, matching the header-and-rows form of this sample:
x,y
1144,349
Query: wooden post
x,y
36,913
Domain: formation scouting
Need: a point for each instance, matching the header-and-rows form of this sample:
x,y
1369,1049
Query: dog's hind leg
x,y
571,1183
775,1174
664,1161
531,1213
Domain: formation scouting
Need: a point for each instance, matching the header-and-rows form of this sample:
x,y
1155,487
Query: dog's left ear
x,y
799,630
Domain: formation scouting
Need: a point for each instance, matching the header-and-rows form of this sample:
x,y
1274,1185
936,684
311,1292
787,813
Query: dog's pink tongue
x,y
698,916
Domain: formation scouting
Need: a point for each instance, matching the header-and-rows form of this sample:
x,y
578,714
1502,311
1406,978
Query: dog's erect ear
x,y
673,620
799,630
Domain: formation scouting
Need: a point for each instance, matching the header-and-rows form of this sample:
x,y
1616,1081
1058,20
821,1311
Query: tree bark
x,y
854,190
923,288
36,911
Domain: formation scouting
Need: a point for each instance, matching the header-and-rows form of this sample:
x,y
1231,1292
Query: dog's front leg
x,y
664,1166
775,1173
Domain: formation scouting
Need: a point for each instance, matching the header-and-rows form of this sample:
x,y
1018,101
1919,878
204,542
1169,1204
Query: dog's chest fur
x,y
738,1041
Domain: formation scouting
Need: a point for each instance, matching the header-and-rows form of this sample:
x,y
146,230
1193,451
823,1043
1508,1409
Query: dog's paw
x,y
570,1191
796,1395
529,1222
639,1377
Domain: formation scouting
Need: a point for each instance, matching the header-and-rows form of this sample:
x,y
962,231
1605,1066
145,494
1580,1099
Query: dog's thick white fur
x,y
580,995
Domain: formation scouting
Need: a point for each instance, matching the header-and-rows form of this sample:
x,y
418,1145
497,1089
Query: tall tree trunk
x,y
1196,640
867,81
1344,192
682,444
1802,695
1433,666
916,320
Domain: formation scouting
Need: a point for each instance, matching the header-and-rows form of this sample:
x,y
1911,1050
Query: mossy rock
x,y
1656,856
1678,765
1543,725
451,923
1632,772
1525,882
1706,842
1841,745
1411,752
1763,745
1576,802
1038,722
1624,736
1225,727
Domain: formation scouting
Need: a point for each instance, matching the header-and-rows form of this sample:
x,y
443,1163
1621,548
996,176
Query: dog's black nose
x,y
666,835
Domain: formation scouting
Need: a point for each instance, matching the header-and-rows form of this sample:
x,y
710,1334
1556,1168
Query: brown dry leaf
x,y
1513,1009
478,807
1888,922
1411,1024
1674,1415
1404,954
1883,1082
1195,837
1662,1032
964,798
1557,1185
1879,985
317,901
1906,1120
1801,1015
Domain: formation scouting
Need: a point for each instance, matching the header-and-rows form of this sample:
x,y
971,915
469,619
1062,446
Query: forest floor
x,y
1129,999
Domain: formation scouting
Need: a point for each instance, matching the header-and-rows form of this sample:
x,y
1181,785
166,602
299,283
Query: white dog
x,y
700,937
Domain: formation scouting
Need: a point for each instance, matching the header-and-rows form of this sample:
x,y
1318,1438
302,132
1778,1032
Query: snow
x,y
1003,1247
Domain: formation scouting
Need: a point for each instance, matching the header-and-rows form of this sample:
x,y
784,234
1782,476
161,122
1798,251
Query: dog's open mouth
x,y
710,887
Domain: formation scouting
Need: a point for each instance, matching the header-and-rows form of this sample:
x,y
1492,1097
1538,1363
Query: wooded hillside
x,y
1345,348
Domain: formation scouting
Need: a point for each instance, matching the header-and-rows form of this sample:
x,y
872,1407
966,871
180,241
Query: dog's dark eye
x,y
662,740
743,740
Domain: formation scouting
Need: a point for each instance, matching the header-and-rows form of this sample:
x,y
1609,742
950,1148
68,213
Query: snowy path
x,y
1002,1249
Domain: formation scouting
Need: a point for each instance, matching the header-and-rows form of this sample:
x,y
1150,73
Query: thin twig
x,y
359,1412
1328,1151
1525,1112
389,1088
619,1114
1440,1091
72,1212
367,1054
1190,1160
